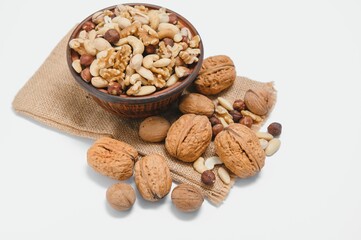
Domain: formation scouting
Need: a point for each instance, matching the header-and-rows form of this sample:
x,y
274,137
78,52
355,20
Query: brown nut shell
x,y
154,129
121,196
217,74
239,149
112,158
257,101
152,177
189,137
187,198
196,103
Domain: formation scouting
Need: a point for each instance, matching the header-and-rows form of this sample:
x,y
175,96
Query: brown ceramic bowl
x,y
138,107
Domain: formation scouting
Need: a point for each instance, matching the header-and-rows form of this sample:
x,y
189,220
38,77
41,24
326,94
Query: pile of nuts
x,y
240,151
134,50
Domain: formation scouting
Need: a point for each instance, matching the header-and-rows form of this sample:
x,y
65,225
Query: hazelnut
x,y
247,121
236,116
150,49
86,59
185,39
168,41
85,75
114,88
173,19
121,196
88,26
112,36
208,177
214,120
239,105
275,129
217,129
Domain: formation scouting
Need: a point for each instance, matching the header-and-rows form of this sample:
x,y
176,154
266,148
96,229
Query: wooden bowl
x,y
138,107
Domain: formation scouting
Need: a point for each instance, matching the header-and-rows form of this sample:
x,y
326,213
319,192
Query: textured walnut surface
x,y
187,198
239,148
121,196
189,137
152,177
112,158
217,74
196,103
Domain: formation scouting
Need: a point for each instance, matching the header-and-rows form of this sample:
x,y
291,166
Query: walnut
x,y
163,51
121,196
130,30
189,137
217,74
112,158
197,104
106,58
111,74
257,101
122,58
239,149
148,35
187,198
152,177
189,56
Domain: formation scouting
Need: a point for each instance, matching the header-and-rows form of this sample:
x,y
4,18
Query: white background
x,y
309,190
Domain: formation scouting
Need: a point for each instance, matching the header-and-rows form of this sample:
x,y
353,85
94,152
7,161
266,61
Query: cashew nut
x,y
99,82
153,19
128,73
163,17
94,68
199,166
172,80
101,44
162,62
134,78
142,18
186,32
166,33
145,90
136,61
122,22
149,59
264,143
224,175
264,135
121,42
177,37
164,26
146,73
77,66
136,44
89,47
210,162
182,71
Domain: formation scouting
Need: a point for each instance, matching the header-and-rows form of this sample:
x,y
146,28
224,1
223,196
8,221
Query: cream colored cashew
x,y
199,166
186,32
83,35
101,44
162,62
163,17
89,47
135,78
99,82
210,162
94,69
172,80
149,59
137,45
122,22
164,26
128,73
264,135
150,30
142,18
136,61
153,19
121,42
166,33
92,35
146,73
177,37
76,65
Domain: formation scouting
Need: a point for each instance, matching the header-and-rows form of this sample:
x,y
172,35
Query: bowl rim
x,y
125,99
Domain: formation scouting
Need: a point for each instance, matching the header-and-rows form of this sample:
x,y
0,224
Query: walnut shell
x,y
112,158
121,196
239,149
187,198
152,177
257,101
197,104
217,74
154,129
189,137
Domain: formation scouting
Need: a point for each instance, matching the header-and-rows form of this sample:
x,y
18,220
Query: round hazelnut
x,y
154,129
150,49
112,36
86,59
239,105
208,177
236,116
214,120
217,129
121,196
185,39
247,121
85,74
88,26
168,41
275,129
114,88
173,19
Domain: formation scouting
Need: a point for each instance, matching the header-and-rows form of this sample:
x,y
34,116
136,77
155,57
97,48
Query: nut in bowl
x,y
135,60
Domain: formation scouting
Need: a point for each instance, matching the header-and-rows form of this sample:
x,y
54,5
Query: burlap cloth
x,y
53,97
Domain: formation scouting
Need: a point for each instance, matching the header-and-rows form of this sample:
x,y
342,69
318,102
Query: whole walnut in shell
x,y
189,137
121,196
240,150
187,198
152,177
154,129
257,101
112,158
197,104
217,74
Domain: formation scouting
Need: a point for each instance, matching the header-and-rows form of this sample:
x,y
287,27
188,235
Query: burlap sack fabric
x,y
53,97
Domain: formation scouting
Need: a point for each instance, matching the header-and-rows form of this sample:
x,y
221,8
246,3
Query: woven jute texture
x,y
53,97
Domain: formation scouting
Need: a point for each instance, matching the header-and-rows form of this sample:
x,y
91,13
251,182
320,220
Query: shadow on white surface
x,y
247,181
99,179
144,204
114,213
183,215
